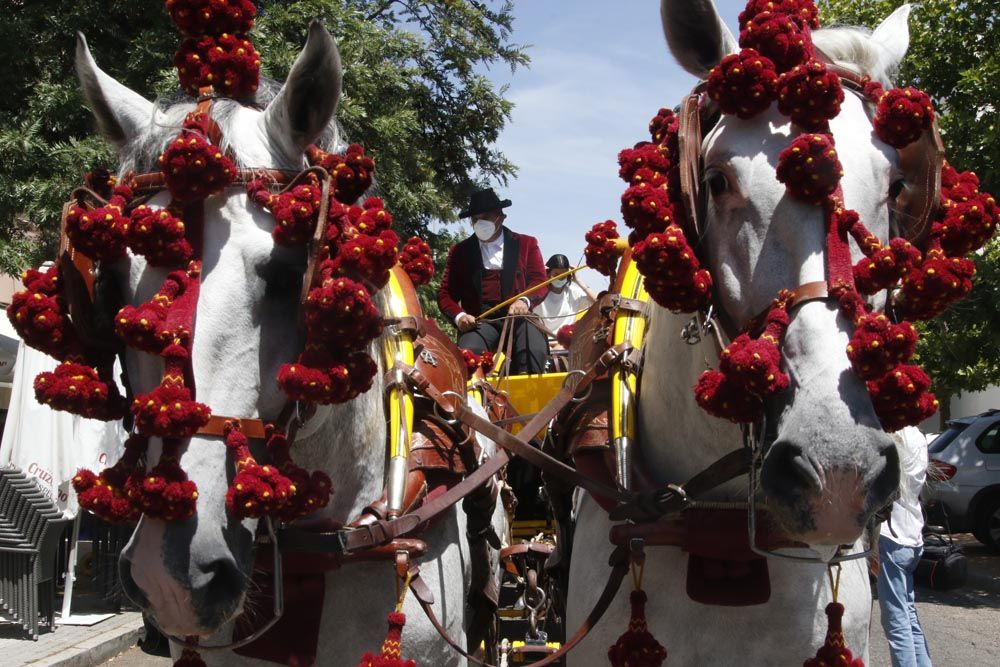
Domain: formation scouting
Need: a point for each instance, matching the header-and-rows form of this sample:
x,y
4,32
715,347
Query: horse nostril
x,y
221,591
789,464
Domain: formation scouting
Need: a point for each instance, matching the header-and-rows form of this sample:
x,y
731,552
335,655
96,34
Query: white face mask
x,y
559,284
484,229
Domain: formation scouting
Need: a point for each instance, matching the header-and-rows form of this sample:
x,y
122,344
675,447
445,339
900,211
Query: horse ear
x,y
121,113
696,35
893,36
308,100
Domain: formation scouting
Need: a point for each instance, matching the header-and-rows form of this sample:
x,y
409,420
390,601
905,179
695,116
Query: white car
x,y
964,477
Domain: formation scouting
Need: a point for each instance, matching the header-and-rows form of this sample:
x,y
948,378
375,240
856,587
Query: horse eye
x,y
717,182
896,188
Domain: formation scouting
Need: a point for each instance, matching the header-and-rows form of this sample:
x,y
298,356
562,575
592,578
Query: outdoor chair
x,y
31,529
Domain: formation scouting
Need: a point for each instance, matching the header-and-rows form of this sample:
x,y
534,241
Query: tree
x,y
414,96
954,56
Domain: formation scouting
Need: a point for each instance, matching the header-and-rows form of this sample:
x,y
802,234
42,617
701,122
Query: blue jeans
x,y
907,643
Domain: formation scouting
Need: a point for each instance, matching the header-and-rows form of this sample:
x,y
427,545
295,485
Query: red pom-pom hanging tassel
x,y
637,647
834,651
189,658
391,653
416,260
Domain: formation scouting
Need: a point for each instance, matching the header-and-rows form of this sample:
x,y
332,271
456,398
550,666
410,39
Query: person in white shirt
x,y
900,544
567,297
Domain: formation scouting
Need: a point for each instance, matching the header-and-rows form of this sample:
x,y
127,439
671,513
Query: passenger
x,y
486,269
567,297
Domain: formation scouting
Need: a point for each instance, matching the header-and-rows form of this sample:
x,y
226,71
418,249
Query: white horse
x,y
829,464
192,576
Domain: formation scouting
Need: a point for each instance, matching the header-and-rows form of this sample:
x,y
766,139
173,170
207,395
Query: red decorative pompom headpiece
x,y
212,17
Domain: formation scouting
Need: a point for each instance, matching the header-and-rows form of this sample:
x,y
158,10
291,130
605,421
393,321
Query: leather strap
x,y
619,562
154,181
251,428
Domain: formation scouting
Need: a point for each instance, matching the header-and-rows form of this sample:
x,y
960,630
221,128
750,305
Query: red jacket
x,y
461,285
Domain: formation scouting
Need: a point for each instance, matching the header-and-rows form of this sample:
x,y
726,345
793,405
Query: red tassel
x,y
189,658
391,651
834,651
637,647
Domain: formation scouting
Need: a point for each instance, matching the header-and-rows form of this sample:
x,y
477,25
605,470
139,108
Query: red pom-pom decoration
x,y
674,277
212,17
367,257
743,83
99,233
565,335
193,168
106,494
878,345
885,266
227,62
295,211
804,12
310,491
38,314
327,381
158,235
643,156
165,492
352,171
602,250
834,651
647,209
341,311
146,327
938,282
189,658
637,647
809,168
256,490
900,397
390,655
664,125
471,361
902,115
810,95
777,37
416,260
79,390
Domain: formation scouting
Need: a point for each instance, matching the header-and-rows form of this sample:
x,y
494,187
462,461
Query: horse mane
x,y
852,47
140,155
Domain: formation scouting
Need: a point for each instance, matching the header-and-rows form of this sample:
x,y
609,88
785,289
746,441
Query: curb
x,y
95,650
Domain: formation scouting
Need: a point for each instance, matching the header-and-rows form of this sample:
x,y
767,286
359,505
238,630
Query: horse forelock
x,y
852,47
141,153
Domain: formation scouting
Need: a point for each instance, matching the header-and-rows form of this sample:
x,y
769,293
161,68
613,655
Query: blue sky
x,y
599,72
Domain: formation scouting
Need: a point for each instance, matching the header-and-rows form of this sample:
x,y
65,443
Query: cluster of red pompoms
x,y
256,490
900,397
809,167
810,95
644,155
901,114
100,233
158,235
777,37
295,211
323,378
877,345
663,129
165,492
564,336
169,411
310,491
352,172
884,267
474,362
192,167
391,653
968,217
602,250
78,389
369,257
935,284
674,277
637,647
834,651
37,313
212,17
227,62
803,12
106,494
416,260
743,83
146,327
341,310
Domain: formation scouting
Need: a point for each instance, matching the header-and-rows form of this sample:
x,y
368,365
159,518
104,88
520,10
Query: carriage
x,y
810,334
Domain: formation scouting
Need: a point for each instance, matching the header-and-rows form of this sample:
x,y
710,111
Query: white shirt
x,y
557,310
907,519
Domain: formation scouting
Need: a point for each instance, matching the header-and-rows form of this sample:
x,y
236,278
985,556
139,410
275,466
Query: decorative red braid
x,y
602,251
392,646
100,233
637,647
416,260
834,651
212,17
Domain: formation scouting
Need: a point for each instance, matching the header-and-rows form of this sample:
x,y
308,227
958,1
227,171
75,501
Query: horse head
x,y
828,465
192,575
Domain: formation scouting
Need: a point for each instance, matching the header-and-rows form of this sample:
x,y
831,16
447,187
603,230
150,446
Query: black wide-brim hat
x,y
483,201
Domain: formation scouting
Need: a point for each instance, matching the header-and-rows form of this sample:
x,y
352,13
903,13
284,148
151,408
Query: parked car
x,y
963,489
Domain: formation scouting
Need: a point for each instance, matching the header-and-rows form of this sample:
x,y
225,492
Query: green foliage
x,y
414,96
954,56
